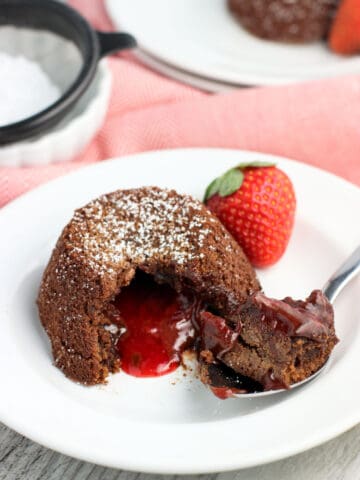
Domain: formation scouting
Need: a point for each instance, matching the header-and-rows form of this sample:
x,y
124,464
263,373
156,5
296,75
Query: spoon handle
x,y
111,42
348,270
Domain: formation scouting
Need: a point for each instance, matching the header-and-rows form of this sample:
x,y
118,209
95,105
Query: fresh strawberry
x,y
256,203
344,35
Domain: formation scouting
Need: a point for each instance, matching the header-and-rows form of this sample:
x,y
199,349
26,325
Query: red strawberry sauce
x,y
157,324
225,392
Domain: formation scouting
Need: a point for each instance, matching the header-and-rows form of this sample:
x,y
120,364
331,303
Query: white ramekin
x,y
72,135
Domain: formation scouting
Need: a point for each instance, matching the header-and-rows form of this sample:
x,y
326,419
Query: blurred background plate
x,y
202,38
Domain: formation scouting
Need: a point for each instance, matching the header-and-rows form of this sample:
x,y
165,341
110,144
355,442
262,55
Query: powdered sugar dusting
x,y
135,225
289,19
295,10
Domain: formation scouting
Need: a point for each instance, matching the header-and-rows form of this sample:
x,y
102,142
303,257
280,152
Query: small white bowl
x,y
60,59
72,135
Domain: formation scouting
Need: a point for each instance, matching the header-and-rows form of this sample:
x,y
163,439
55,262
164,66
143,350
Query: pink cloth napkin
x,y
316,122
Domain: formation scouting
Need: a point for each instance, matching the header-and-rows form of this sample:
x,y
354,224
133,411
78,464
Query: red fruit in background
x,y
256,204
344,37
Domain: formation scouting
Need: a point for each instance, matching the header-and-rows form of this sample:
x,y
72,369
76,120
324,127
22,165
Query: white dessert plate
x,y
203,38
173,424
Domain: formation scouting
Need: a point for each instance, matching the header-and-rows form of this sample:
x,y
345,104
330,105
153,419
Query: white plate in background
x,y
173,424
202,38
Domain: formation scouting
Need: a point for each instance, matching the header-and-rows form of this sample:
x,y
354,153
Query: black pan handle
x,y
113,42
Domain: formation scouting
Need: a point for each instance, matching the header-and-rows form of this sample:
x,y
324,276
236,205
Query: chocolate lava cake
x,y
295,21
243,339
169,236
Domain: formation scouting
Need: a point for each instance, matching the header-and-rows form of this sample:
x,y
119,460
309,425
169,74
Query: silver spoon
x,y
348,270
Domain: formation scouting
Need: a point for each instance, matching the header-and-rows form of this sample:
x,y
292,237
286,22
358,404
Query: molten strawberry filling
x,y
157,323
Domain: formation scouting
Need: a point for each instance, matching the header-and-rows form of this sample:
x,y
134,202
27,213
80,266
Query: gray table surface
x,y
22,459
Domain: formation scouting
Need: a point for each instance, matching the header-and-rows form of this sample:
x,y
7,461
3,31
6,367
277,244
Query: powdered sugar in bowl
x,y
21,99
61,102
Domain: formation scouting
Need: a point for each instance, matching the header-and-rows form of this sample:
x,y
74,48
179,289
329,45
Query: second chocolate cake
x,y
294,21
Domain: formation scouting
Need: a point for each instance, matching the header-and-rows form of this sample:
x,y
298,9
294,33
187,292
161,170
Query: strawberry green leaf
x,y
226,184
212,188
230,182
255,164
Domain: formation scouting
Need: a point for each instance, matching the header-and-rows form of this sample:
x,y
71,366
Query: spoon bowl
x,y
336,283
266,393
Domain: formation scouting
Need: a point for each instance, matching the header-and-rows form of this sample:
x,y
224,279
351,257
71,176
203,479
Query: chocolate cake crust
x,y
294,21
170,236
